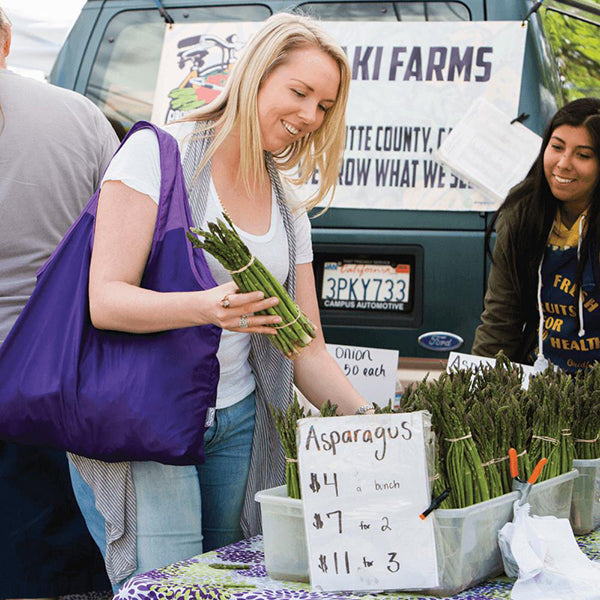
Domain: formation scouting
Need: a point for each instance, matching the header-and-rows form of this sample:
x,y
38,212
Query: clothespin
x,y
435,503
522,117
163,12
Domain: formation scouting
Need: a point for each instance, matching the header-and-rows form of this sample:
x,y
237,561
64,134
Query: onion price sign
x,y
372,371
364,483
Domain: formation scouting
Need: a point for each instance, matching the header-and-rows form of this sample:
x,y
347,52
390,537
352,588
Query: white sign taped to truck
x,y
489,149
411,83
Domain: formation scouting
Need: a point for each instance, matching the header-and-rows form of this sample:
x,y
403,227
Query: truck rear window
x,y
123,77
574,37
124,74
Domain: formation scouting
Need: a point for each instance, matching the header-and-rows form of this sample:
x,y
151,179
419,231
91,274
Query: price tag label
x,y
364,483
372,371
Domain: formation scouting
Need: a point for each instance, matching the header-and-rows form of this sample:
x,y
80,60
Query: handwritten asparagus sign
x,y
364,482
372,371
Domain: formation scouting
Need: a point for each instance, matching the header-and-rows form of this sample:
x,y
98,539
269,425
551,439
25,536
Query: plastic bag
x,y
543,554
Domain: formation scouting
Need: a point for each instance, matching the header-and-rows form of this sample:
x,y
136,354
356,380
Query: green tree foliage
x,y
576,46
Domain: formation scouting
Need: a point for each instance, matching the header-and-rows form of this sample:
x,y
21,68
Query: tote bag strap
x,y
197,186
168,216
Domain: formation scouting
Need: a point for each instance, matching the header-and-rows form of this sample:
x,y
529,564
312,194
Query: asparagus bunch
x,y
458,463
499,401
513,431
285,423
250,275
464,471
586,417
481,421
551,411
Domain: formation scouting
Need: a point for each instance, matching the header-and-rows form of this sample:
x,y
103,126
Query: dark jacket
x,y
507,323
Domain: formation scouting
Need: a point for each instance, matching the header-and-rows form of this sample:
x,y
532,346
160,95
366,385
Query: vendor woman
x,y
543,299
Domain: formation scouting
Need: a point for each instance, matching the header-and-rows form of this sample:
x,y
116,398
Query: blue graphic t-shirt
x,y
563,346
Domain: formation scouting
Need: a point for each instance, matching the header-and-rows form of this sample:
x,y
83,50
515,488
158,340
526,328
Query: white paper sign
x,y
372,371
411,83
364,483
457,360
489,151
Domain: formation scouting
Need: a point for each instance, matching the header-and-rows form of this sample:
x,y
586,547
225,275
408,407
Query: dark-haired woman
x,y
543,298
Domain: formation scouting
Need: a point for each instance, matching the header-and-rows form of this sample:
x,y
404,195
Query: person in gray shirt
x,y
54,147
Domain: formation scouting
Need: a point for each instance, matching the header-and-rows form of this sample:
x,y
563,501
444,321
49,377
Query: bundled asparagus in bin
x,y
459,466
550,395
250,275
498,399
586,416
285,423
480,419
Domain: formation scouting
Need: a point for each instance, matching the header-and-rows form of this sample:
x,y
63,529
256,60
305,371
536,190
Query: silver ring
x,y
244,322
225,302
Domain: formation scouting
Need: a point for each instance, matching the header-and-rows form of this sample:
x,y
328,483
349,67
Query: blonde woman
x,y
283,109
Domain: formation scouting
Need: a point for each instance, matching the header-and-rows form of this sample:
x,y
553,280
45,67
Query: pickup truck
x,y
400,258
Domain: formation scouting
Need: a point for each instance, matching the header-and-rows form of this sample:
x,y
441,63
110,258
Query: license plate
x,y
365,286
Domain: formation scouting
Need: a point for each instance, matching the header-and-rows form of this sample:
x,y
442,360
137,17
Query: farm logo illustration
x,y
195,64
209,59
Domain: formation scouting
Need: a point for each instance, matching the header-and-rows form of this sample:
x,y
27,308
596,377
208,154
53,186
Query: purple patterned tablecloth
x,y
210,577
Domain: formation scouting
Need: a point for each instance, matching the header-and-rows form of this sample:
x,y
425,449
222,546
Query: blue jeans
x,y
184,511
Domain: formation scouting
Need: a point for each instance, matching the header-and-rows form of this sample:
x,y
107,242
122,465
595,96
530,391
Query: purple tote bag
x,y
104,394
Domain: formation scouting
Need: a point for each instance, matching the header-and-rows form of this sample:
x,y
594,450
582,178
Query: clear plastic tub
x,y
585,507
466,538
284,539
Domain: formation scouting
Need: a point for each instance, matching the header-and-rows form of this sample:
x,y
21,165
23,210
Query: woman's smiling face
x,y
294,97
571,166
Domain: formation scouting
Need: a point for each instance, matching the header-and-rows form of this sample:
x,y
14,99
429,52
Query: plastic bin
x,y
585,507
466,538
284,539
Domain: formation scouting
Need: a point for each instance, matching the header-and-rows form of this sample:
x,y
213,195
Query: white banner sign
x,y
411,83
364,482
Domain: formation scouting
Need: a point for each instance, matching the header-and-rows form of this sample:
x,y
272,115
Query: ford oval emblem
x,y
440,341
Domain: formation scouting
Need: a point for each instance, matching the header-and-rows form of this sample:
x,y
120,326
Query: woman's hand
x,y
229,309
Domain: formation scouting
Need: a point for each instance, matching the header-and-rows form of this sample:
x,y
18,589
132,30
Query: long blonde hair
x,y
320,150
